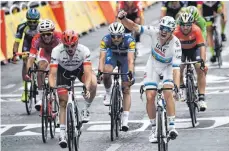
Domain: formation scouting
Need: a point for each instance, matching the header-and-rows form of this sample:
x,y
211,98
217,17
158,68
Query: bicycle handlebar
x,y
70,87
114,73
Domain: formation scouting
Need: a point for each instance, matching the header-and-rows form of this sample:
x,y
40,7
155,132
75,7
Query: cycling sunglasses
x,y
47,34
186,24
164,28
113,36
32,21
71,46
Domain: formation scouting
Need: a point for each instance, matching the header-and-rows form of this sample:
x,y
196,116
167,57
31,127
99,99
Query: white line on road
x,y
113,147
8,86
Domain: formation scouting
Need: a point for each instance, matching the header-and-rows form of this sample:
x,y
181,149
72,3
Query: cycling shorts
x,y
113,58
209,11
155,68
63,76
192,55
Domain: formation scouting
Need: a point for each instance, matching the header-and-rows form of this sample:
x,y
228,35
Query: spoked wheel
x,y
191,102
218,48
53,109
44,117
112,114
118,115
28,98
219,57
70,128
162,140
78,128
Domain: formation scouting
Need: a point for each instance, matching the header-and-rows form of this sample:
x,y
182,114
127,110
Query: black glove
x,y
202,65
121,14
99,77
131,78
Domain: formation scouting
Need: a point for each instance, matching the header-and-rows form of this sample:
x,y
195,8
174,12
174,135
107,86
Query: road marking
x,y
8,86
27,133
99,127
113,147
6,128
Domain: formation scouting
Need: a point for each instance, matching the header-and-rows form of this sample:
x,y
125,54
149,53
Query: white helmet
x,y
116,28
168,21
186,18
46,25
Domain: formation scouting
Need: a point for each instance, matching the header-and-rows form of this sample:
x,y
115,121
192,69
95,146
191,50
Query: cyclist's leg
x,y
63,99
170,103
137,35
151,79
201,81
43,63
110,64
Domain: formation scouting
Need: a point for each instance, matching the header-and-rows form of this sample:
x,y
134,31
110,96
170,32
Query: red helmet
x,y
69,37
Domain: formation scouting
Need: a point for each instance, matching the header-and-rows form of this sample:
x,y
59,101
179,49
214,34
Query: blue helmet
x,y
33,14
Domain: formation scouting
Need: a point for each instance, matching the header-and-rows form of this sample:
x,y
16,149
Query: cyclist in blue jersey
x,y
117,47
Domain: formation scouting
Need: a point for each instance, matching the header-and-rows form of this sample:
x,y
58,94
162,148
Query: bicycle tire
x,y
28,99
191,101
44,117
78,128
70,127
53,115
161,142
218,47
118,114
112,114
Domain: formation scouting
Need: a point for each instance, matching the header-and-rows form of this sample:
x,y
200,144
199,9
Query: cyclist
x,y
29,29
209,8
44,41
223,21
164,60
117,47
192,43
171,8
71,58
134,13
198,20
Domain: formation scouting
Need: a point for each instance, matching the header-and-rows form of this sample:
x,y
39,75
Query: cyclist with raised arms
x,y
164,60
41,48
117,47
193,47
71,58
29,29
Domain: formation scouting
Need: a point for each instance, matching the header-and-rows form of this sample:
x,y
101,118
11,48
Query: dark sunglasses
x,y
113,36
71,46
46,34
32,22
164,28
186,24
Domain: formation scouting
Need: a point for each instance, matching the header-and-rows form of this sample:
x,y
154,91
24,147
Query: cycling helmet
x,y
193,10
186,18
33,14
168,21
116,28
46,26
69,37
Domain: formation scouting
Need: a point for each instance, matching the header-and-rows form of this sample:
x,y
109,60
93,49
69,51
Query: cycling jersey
x,y
171,11
163,59
118,53
136,8
46,49
68,65
190,43
23,28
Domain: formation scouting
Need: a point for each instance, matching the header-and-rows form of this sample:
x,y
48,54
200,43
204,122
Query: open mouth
x,y
163,35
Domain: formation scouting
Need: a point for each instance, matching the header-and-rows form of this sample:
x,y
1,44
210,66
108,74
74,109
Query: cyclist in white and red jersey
x,y
165,59
71,58
41,48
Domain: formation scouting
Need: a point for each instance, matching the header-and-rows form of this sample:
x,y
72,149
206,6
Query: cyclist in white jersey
x,y
71,58
166,56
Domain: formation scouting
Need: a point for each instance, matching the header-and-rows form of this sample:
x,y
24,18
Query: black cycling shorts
x,y
63,76
190,55
209,11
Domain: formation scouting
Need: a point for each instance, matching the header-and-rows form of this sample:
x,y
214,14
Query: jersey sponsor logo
x,y
177,44
132,45
102,45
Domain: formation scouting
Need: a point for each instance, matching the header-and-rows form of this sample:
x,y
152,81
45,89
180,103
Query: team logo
x,y
132,45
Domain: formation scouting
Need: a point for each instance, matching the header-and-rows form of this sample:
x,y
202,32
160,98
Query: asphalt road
x,y
23,133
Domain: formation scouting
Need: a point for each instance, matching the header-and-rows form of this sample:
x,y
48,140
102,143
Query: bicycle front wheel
x,y
28,98
44,117
113,112
191,101
70,128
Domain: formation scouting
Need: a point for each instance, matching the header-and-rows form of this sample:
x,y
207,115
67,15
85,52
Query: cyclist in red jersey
x,y
41,49
193,48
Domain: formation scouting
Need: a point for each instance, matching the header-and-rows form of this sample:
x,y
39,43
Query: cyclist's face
x,y
47,37
186,28
129,3
116,38
71,49
175,4
165,32
32,24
